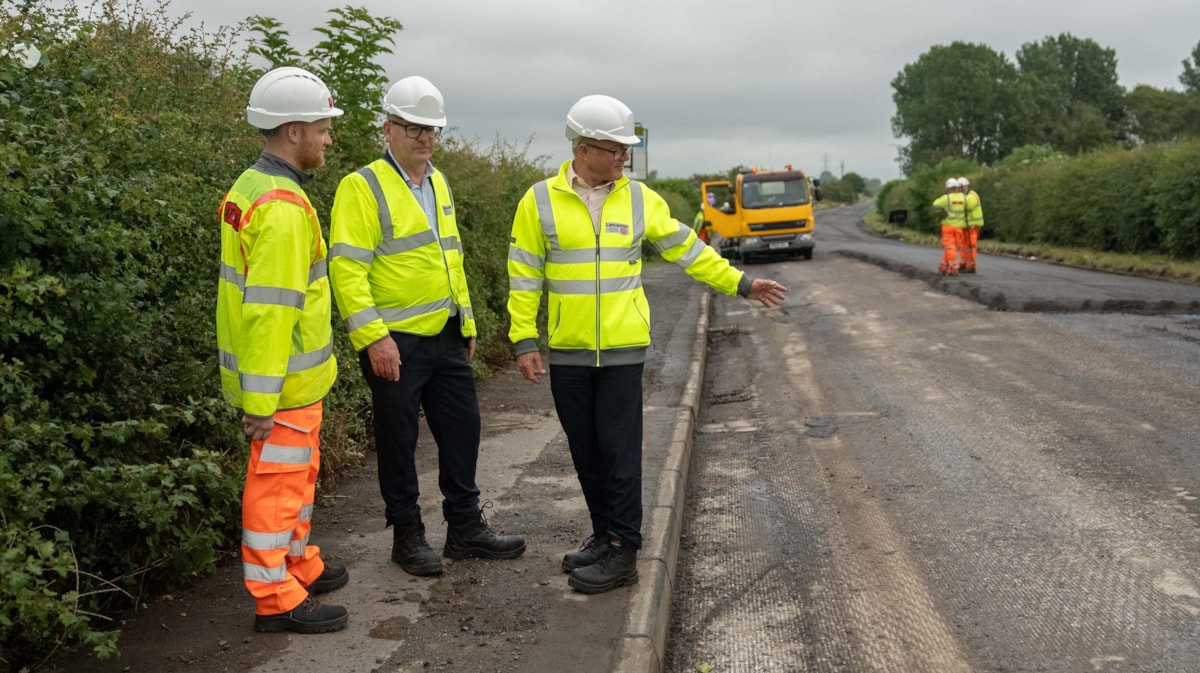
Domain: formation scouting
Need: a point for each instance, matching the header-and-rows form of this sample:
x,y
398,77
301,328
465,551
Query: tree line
x,y
970,101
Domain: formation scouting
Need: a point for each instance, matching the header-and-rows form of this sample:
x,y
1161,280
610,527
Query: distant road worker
x,y
953,205
974,209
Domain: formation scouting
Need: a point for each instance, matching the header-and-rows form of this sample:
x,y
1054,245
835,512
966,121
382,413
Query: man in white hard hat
x,y
397,267
276,350
974,219
954,221
579,234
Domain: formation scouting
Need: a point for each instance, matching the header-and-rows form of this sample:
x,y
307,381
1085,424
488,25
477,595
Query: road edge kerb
x,y
644,644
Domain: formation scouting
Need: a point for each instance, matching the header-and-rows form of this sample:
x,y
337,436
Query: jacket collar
x,y
563,183
270,164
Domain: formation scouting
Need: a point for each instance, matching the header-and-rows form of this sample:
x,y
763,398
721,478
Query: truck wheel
x,y
807,254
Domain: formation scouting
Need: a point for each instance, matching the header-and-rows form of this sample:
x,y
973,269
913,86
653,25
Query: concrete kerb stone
x,y
644,644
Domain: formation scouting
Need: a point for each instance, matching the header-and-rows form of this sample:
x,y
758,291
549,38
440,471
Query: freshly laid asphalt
x,y
1003,283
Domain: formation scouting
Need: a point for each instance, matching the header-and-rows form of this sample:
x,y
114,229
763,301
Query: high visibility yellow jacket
x,y
974,208
955,207
598,315
274,340
390,272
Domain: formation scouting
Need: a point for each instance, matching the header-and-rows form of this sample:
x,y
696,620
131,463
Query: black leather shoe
x,y
469,536
308,617
412,552
617,568
592,549
334,576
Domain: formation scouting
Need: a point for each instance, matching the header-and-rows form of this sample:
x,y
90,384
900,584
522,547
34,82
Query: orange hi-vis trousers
x,y
952,240
969,246
277,505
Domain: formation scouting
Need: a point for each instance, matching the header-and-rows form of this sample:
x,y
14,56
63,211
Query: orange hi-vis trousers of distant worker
x,y
953,238
277,505
970,247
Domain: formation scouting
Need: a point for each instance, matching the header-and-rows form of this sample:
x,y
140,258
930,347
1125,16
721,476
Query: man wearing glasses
x,y
579,235
397,270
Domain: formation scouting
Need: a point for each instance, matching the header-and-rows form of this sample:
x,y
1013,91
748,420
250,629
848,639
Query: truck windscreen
x,y
774,193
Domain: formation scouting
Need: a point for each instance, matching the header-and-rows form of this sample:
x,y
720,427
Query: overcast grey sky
x,y
717,84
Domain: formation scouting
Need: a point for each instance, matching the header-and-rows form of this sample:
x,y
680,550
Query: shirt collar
x,y
573,178
271,164
391,159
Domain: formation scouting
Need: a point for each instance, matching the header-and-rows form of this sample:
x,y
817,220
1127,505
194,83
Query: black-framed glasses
x,y
616,154
414,131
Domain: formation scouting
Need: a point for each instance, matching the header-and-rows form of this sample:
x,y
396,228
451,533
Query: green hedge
x,y
120,466
1142,200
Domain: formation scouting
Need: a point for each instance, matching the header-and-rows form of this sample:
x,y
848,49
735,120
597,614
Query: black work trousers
x,y
435,374
600,409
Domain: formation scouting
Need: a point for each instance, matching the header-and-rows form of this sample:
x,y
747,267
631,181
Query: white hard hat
x,y
951,183
601,118
417,100
289,95
963,182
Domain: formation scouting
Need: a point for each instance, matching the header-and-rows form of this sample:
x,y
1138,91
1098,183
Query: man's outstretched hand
x,y
767,292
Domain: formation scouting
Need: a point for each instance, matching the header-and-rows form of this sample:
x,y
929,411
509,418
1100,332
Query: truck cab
x,y
762,214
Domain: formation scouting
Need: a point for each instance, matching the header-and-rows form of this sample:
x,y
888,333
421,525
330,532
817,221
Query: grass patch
x,y
1152,266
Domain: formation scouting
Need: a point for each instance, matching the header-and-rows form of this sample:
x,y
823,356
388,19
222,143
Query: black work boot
x,y
308,617
615,569
468,536
334,576
412,552
594,547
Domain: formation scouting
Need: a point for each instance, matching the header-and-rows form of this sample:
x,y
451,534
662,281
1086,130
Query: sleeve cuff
x,y
526,346
744,285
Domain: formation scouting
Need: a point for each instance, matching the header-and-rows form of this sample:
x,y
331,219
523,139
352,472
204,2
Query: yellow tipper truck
x,y
761,214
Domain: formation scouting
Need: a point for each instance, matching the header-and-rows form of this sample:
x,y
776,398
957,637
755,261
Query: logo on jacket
x,y
232,215
446,210
616,228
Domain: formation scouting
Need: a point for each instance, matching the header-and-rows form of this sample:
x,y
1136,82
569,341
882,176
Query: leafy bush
x,y
120,465
1143,200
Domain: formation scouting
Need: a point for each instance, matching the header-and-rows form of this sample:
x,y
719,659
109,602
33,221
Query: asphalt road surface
x,y
891,476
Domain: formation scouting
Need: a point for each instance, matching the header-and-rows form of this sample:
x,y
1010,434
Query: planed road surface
x,y
887,477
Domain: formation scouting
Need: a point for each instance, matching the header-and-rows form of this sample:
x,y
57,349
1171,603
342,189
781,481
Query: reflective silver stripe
x,y
395,246
589,286
468,312
364,317
230,275
584,256
541,196
588,255
276,296
266,541
401,314
525,257
381,206
631,254
524,284
227,360
639,211
352,252
257,573
288,455
451,243
303,361
692,253
318,271
677,238
306,513
296,548
257,383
